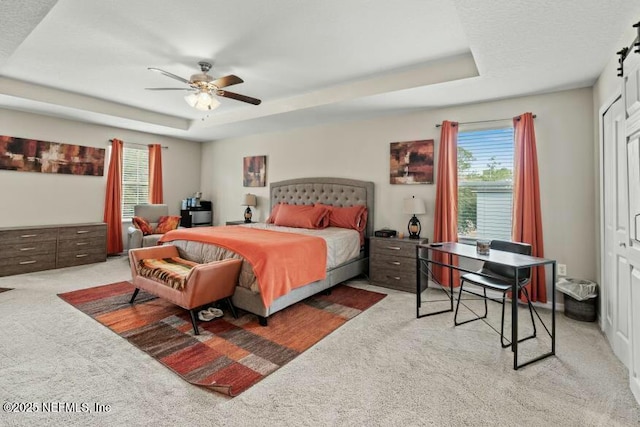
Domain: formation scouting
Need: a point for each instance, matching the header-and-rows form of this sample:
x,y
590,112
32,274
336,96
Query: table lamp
x,y
249,200
414,206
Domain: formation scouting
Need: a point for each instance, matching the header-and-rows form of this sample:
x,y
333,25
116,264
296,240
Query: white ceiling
x,y
309,61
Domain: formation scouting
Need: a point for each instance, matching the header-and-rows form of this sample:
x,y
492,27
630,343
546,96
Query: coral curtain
x,y
445,224
527,217
155,174
112,200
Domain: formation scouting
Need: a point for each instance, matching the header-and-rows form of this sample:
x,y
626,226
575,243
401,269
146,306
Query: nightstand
x,y
238,222
392,262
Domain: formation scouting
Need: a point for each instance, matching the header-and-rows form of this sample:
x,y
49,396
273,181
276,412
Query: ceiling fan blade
x,y
227,81
238,97
168,74
168,88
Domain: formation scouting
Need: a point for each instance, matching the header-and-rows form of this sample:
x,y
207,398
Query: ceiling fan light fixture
x,y
202,101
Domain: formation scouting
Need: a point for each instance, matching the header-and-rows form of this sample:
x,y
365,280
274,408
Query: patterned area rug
x,y
4,290
229,355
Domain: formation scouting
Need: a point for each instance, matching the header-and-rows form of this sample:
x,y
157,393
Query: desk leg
x,y
553,308
418,277
451,280
514,320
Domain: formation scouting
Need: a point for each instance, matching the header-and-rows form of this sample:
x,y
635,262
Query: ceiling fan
x,y
203,87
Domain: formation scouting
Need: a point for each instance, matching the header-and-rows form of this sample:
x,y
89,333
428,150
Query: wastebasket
x,y
580,298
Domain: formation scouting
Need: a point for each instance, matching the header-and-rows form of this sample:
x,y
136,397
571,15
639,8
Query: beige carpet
x,y
385,367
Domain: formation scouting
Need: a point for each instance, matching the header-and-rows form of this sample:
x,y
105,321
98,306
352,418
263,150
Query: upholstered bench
x,y
160,271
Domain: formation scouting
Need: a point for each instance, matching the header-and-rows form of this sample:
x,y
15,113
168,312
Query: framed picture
x,y
32,155
411,162
254,171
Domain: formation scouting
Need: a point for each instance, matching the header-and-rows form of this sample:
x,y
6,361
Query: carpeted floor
x,y
229,355
382,368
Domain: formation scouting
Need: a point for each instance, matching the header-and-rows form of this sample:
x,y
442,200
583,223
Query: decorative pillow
x,y
348,217
167,223
274,212
301,216
142,224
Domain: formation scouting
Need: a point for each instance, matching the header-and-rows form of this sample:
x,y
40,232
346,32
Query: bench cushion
x,y
173,272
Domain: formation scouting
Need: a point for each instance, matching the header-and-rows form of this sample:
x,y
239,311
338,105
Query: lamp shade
x,y
202,101
250,200
414,206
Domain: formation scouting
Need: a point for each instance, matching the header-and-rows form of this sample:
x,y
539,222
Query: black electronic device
x,y
385,232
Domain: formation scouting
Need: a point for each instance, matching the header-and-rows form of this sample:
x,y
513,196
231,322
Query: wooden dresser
x,y
392,262
27,249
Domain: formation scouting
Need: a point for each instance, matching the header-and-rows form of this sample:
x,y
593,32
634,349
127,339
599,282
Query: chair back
x,y
151,213
505,271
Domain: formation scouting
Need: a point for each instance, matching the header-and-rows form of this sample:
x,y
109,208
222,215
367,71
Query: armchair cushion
x,y
142,224
167,223
152,214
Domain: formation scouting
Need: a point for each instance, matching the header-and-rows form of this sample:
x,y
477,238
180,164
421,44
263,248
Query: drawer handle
x,y
28,262
82,231
393,277
26,249
82,243
26,236
81,255
394,262
395,248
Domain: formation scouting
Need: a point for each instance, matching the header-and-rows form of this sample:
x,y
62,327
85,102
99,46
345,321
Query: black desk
x,y
510,259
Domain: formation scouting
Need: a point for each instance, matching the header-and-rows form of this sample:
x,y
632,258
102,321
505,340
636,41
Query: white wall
x,y
360,150
29,198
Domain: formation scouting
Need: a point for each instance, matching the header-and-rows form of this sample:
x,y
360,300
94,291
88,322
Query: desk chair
x,y
501,280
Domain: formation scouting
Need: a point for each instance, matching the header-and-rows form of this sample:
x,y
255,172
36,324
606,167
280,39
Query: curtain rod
x,y
140,145
483,121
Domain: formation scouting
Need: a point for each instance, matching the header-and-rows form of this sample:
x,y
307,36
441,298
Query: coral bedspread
x,y
281,261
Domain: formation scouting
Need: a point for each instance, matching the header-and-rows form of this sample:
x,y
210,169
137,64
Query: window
x,y
485,184
135,179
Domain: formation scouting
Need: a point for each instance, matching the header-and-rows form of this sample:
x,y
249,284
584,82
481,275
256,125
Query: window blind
x,y
485,183
135,179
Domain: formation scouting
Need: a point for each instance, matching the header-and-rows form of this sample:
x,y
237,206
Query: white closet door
x,y
633,144
615,289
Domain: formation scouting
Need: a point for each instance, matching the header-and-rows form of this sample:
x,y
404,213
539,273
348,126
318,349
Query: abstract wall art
x,y
32,155
254,171
411,162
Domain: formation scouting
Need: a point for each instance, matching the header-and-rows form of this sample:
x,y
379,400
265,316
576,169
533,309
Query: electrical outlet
x,y
562,269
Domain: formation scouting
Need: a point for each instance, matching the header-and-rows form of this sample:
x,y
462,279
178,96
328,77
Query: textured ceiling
x,y
309,62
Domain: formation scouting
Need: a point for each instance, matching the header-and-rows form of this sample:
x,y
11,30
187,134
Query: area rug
x,y
4,290
229,355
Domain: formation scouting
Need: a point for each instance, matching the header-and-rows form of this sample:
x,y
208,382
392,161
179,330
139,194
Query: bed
x,y
339,192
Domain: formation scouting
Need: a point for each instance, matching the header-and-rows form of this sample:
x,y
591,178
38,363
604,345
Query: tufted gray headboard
x,y
329,191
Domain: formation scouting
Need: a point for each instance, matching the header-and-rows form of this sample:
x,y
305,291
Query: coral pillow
x,y
274,212
354,217
142,224
302,216
167,223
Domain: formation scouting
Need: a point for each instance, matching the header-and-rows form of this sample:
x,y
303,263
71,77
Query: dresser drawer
x,y
26,264
90,231
393,247
385,261
28,235
80,244
392,277
69,259
26,249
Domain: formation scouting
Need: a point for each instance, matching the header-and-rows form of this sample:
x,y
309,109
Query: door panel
x,y
626,275
634,369
615,289
632,92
